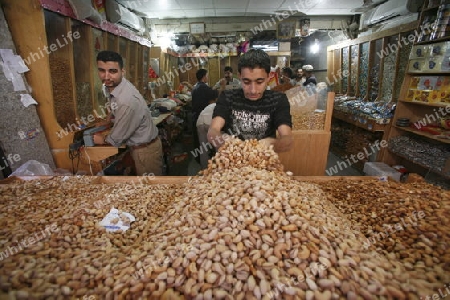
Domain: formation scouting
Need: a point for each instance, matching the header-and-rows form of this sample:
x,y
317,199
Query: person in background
x,y
300,77
228,78
253,112
132,121
285,80
310,79
203,123
202,95
187,85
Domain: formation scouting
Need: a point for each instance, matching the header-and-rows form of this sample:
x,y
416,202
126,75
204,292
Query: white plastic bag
x,y
33,168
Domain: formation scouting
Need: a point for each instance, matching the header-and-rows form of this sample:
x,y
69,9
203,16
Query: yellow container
x,y
445,96
434,96
424,96
410,95
417,95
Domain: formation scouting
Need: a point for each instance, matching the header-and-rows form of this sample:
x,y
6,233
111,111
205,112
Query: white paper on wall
x,y
13,66
27,100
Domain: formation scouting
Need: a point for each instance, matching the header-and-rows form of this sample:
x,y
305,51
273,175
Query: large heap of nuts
x,y
314,120
243,230
408,222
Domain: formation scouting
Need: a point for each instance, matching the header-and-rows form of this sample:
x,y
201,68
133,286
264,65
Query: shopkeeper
x,y
229,80
253,112
132,121
310,79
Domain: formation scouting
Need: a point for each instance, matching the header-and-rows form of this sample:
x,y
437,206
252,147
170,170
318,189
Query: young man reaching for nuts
x,y
253,112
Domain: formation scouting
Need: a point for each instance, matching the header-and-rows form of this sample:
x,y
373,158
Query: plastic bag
x,y
33,168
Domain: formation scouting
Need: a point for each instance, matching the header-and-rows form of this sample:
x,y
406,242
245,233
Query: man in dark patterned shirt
x,y
253,112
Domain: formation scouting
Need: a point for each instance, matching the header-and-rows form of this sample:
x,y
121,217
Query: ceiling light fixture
x,y
315,47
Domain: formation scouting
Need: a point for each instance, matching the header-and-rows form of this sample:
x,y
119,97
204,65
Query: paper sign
x,y
13,67
27,100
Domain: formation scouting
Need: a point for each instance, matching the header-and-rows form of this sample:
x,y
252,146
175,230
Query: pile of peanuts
x,y
242,230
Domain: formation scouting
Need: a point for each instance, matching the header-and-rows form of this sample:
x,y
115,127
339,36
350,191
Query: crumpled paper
x,y
117,220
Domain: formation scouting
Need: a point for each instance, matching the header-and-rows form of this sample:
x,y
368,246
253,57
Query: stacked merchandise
x,y
380,112
429,59
433,157
436,25
347,140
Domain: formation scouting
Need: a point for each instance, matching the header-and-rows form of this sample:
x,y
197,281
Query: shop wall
x,y
21,135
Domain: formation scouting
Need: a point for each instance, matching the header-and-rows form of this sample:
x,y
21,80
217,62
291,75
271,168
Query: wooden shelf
x,y
416,110
173,53
270,53
279,53
424,134
421,165
429,73
438,104
370,124
442,39
430,8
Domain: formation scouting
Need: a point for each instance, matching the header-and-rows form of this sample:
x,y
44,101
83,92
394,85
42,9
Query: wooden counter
x,y
309,153
161,118
176,179
76,260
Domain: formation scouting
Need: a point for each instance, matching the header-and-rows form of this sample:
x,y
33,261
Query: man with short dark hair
x,y
230,81
253,112
130,115
285,80
300,77
202,96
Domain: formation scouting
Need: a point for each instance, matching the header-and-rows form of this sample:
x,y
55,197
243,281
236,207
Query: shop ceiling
x,y
176,9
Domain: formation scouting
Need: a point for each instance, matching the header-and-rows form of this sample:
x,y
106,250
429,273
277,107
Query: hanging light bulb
x,y
315,47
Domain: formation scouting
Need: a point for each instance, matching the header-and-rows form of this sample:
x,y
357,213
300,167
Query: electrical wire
x,y
75,154
89,161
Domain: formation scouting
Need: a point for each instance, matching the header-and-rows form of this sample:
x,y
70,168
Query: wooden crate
x,y
308,156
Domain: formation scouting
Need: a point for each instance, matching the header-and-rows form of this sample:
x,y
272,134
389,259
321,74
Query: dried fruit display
x,y
242,230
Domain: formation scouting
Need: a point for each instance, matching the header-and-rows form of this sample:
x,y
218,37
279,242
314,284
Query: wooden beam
x,y
27,25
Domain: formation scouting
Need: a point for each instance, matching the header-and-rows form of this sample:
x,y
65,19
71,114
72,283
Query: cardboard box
x,y
284,46
381,169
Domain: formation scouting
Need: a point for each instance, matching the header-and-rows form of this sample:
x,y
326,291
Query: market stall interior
x,y
357,208
382,76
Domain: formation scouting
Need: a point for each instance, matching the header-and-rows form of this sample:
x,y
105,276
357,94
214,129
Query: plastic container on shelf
x,y
410,95
434,97
381,169
416,65
433,64
438,49
445,96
